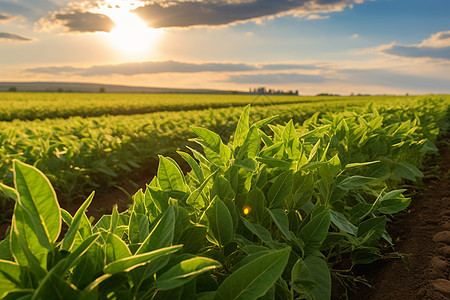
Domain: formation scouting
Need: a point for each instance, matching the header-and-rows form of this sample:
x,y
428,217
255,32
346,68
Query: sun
x,y
131,35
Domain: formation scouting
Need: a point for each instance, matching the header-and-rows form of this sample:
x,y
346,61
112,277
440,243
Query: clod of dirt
x,y
446,251
442,237
446,225
438,263
442,286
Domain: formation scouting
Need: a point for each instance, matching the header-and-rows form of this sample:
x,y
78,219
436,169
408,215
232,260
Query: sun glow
x,y
131,35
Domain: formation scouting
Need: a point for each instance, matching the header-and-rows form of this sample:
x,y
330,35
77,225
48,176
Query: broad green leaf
x,y
220,222
341,222
193,238
280,190
251,146
194,165
259,231
162,233
21,228
76,221
185,271
371,230
139,228
9,276
311,276
354,182
222,188
315,231
38,199
407,171
129,263
281,220
242,127
247,164
115,248
170,177
5,249
254,279
276,162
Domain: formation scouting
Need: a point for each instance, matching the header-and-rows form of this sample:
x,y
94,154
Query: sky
x,y
313,46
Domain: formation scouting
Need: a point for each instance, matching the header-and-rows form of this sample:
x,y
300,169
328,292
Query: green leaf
x,y
407,171
185,271
341,222
254,279
256,203
311,276
9,276
76,221
162,233
8,191
281,220
115,248
139,228
247,164
259,231
220,222
314,232
371,230
194,165
129,263
242,127
280,190
170,177
37,197
222,188
193,238
355,182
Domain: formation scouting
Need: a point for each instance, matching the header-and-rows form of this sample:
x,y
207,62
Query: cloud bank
x,y
213,13
13,37
82,17
436,46
156,67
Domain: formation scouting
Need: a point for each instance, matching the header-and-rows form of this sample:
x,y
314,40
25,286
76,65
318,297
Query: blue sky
x,y
314,46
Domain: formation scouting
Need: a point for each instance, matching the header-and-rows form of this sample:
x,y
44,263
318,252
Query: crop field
x,y
30,106
280,199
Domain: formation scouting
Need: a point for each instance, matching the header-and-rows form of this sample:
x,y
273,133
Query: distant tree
x,y
234,92
12,89
102,90
60,90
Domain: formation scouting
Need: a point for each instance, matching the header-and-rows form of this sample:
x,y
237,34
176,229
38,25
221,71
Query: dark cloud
x,y
280,78
214,13
436,46
419,51
78,21
129,69
5,17
13,37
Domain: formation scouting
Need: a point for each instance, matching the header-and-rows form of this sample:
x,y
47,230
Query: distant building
x,y
264,91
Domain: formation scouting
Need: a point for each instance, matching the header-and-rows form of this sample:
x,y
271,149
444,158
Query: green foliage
x,y
268,214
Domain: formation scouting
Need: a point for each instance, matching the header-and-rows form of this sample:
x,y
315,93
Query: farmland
x,y
263,206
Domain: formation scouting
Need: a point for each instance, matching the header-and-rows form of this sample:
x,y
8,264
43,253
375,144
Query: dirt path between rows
x,y
423,237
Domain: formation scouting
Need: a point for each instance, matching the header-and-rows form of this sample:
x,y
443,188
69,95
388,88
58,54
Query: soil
x,y
421,269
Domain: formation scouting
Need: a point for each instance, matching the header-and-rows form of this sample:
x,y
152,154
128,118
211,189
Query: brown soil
x,y
423,235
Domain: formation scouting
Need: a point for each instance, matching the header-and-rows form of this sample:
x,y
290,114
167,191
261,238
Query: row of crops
x,y
30,106
270,213
80,154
